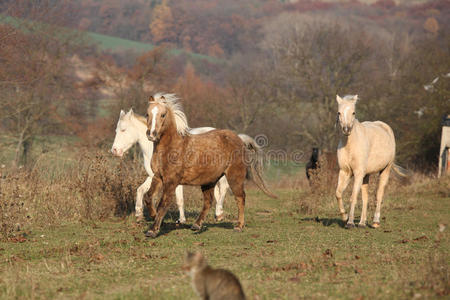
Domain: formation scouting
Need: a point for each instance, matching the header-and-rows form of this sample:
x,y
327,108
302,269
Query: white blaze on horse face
x,y
154,113
346,115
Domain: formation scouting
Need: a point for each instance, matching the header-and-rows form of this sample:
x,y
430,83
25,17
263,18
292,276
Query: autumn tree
x,y
313,61
34,75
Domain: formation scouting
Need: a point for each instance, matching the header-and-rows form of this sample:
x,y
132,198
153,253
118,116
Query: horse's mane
x,y
349,97
173,104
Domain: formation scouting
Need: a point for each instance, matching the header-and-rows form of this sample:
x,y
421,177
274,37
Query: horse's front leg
x,y
154,191
365,201
359,176
163,207
344,179
141,191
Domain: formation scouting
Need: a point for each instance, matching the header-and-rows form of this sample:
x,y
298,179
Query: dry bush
x,y
27,197
12,206
322,185
99,188
106,187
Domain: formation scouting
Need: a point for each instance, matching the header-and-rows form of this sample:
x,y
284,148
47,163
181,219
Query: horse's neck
x,y
170,139
145,145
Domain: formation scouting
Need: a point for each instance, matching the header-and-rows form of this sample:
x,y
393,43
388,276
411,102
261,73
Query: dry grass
x,y
100,187
92,251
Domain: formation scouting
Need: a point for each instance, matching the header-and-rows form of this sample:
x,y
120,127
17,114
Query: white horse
x,y
131,129
364,149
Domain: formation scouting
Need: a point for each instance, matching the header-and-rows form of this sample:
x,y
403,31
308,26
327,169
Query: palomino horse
x,y
130,130
364,149
181,158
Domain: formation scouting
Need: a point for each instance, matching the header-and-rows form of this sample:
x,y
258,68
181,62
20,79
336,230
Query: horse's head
x,y
157,114
126,136
346,112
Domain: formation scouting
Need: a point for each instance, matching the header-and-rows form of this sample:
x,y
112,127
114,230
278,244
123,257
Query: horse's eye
x,y
163,115
339,113
353,113
146,115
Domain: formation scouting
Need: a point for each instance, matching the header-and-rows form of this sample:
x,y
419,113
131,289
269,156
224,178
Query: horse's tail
x,y
401,171
256,166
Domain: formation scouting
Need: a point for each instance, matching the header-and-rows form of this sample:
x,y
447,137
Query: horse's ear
x,y
131,111
163,98
151,99
122,113
355,98
338,99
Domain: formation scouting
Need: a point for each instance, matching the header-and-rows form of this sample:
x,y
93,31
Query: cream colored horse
x,y
364,149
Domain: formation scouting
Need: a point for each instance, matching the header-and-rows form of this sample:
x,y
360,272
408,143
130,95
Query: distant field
x,y
115,44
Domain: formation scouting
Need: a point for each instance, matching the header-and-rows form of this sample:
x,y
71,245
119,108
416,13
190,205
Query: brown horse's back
x,y
207,156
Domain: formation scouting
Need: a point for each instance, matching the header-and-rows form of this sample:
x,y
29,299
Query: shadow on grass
x,y
168,227
326,221
170,223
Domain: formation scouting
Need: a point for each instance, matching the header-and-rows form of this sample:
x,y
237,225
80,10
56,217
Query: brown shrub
x,y
107,187
98,188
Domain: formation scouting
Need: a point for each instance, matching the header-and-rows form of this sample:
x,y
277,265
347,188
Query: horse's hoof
x,y
180,222
237,229
361,225
349,226
219,218
196,227
151,234
345,217
375,225
140,219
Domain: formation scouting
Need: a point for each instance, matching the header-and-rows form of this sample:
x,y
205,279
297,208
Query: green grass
x,y
105,42
282,253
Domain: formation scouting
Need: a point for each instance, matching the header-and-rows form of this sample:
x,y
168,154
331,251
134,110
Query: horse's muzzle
x,y
346,130
150,137
116,152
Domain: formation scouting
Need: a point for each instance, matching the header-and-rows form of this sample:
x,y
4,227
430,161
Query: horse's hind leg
x,y
344,179
208,193
365,199
237,187
220,192
180,203
384,178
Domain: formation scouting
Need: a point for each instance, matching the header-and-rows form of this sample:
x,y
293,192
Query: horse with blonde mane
x,y
364,148
198,160
131,129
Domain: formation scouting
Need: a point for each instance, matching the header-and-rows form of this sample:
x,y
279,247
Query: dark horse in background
x,y
313,163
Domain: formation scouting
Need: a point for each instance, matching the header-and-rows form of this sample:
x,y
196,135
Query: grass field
x,y
283,253
107,42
